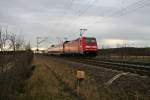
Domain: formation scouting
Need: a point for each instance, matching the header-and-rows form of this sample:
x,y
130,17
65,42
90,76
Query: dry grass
x,y
130,87
43,85
53,79
88,88
15,69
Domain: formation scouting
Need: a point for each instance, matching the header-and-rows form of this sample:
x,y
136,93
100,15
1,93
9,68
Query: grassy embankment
x,y
56,81
15,68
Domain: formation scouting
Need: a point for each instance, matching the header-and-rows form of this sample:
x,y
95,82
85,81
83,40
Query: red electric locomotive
x,y
81,46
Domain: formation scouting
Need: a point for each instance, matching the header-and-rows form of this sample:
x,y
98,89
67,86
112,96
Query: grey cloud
x,y
56,18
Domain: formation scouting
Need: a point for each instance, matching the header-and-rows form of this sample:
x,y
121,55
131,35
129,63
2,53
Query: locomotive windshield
x,y
90,40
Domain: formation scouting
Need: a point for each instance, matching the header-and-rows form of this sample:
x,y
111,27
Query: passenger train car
x,y
81,46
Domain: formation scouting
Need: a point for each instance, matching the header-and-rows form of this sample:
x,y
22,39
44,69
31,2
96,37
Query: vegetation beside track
x,y
15,68
126,87
53,80
43,85
125,51
125,54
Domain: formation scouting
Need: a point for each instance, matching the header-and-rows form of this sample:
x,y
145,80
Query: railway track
x,y
140,68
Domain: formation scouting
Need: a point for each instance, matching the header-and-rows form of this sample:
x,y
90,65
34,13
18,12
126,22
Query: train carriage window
x,y
90,40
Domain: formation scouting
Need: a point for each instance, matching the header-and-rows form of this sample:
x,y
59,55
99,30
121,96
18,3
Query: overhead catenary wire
x,y
71,3
68,7
87,7
82,12
111,13
130,8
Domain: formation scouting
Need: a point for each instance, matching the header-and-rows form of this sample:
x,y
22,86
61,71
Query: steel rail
x,y
126,67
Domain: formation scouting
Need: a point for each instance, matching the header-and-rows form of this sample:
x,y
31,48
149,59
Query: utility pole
x,y
37,43
40,40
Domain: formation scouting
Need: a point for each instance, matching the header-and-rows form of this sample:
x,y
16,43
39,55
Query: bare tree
x,y
28,46
20,43
12,39
3,39
17,43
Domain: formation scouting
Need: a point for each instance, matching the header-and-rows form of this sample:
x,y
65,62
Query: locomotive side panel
x,y
72,47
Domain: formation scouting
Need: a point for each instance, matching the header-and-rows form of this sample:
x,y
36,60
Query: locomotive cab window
x,y
90,40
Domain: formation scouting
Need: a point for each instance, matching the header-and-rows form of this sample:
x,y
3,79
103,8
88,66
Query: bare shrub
x,y
16,69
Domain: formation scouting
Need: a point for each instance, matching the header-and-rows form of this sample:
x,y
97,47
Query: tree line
x,y
11,41
125,51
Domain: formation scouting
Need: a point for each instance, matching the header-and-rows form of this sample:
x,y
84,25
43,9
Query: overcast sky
x,y
112,22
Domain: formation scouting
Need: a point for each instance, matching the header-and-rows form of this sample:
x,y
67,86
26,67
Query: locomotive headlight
x,y
88,46
94,46
91,46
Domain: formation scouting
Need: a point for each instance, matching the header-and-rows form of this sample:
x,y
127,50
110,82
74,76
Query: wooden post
x,y
80,77
78,87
